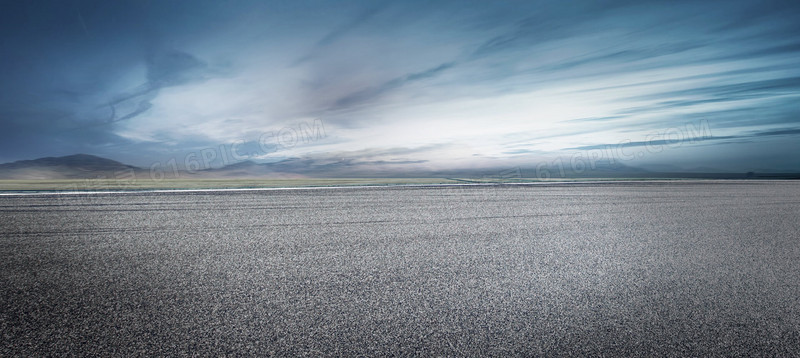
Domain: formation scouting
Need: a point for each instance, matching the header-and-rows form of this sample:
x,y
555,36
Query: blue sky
x,y
406,85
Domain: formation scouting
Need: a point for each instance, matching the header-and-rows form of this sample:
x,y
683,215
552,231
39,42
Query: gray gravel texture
x,y
673,269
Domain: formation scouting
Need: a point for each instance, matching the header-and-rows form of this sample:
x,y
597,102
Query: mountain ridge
x,y
87,166
76,166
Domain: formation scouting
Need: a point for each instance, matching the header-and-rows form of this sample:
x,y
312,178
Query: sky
x,y
405,85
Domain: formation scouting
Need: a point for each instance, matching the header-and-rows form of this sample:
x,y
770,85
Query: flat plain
x,y
697,268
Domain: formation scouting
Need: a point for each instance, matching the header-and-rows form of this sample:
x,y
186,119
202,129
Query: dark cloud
x,y
626,56
680,140
341,31
683,78
531,31
164,69
759,102
749,89
371,93
789,131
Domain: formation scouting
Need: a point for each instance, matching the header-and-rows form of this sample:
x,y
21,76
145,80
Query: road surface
x,y
647,268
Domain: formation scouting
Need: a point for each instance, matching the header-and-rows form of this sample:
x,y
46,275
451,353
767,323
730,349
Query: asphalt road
x,y
683,268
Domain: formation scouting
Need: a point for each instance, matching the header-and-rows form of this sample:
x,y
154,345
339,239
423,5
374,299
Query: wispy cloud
x,y
373,92
692,140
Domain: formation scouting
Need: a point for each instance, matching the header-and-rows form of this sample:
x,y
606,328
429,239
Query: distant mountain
x,y
78,166
84,166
